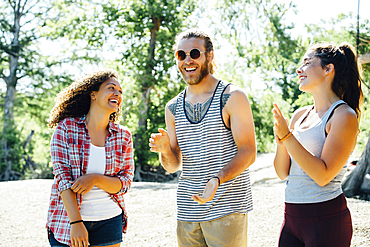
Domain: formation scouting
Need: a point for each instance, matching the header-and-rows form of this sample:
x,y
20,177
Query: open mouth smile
x,y
114,101
190,69
301,78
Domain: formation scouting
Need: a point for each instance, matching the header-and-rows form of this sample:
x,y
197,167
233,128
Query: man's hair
x,y
74,101
196,33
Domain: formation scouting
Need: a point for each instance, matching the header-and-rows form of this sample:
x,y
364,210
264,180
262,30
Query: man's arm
x,y
242,127
165,142
240,120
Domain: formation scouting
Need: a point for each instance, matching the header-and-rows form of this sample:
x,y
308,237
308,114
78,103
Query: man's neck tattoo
x,y
195,112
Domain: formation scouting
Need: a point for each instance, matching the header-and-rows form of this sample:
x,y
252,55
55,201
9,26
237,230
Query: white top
x,y
300,187
97,204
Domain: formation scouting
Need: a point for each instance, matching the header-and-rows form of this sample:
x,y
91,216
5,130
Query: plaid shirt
x,y
70,147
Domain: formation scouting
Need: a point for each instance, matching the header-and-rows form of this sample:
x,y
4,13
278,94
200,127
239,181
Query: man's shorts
x,y
230,230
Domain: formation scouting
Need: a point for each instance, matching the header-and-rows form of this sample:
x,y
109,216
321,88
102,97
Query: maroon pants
x,y
323,224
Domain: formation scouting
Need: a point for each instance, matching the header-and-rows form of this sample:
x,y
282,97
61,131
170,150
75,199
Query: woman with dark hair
x,y
93,164
312,152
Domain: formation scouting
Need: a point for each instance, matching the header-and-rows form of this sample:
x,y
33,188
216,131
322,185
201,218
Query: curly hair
x,y
74,100
347,79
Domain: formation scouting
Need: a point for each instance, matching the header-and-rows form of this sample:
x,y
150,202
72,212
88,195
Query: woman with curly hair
x,y
312,152
93,164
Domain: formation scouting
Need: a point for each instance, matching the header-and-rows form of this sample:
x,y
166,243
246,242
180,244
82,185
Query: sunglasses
x,y
194,54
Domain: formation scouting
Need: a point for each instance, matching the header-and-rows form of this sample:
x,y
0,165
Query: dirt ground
x,y
152,212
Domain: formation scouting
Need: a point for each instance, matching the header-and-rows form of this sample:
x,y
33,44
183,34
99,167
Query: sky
x,y
313,11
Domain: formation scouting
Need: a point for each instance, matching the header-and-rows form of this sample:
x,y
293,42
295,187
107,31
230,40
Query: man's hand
x,y
84,184
208,193
79,235
160,142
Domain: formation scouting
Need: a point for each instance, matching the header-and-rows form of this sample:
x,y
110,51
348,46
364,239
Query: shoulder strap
x,y
336,105
304,115
180,100
222,100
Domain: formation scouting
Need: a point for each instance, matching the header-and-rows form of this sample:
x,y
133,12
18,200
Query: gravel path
x,y
152,212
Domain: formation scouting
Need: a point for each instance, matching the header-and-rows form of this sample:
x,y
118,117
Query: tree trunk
x,y
358,182
147,85
142,128
11,79
11,83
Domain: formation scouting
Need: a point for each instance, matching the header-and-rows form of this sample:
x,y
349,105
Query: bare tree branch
x,y
31,7
12,4
19,7
4,77
9,52
24,5
27,22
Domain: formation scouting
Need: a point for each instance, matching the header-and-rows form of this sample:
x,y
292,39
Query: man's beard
x,y
203,73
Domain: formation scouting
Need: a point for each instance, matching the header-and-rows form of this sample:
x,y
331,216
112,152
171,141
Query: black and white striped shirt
x,y
206,147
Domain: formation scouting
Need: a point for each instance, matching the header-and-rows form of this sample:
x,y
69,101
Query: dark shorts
x,y
101,233
323,224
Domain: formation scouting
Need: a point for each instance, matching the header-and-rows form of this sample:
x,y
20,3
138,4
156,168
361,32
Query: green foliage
x,y
13,151
276,55
136,38
147,30
24,68
273,54
263,119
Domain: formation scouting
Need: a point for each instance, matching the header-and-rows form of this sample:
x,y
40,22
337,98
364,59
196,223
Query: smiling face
x,y
109,96
310,73
193,71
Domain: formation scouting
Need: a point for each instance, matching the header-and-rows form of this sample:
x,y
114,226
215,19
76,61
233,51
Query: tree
x,y
262,45
273,53
27,74
148,29
19,21
141,34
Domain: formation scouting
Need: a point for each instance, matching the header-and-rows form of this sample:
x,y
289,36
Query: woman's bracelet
x,y
286,136
75,222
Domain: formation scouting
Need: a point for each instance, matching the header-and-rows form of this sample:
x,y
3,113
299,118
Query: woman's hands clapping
x,y
281,127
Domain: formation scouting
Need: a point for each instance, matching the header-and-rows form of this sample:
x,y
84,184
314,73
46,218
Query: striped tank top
x,y
206,147
300,187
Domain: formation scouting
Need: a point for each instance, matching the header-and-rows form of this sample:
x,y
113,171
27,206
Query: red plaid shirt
x,y
70,147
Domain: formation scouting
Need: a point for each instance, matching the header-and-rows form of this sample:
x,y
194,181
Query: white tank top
x,y
97,204
300,187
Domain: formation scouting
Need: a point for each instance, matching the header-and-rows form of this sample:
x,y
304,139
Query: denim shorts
x,y
101,233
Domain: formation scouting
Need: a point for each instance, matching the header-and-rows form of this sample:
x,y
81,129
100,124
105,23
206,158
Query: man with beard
x,y
210,136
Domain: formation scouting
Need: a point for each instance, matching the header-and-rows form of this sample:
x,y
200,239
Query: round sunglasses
x,y
194,54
